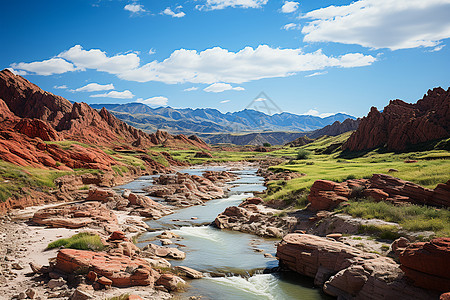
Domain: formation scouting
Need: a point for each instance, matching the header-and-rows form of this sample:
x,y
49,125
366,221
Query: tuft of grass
x,y
120,297
411,218
303,154
80,241
384,232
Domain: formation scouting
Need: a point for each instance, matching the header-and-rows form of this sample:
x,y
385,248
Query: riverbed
x,y
233,262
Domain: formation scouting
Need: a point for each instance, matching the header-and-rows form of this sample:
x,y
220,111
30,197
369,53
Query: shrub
x,y
80,241
267,145
303,154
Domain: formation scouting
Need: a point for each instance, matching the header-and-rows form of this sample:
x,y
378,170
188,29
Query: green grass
x,y
14,178
426,172
303,154
218,156
411,217
67,144
384,232
80,241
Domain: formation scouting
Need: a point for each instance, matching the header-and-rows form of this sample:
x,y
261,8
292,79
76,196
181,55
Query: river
x,y
237,255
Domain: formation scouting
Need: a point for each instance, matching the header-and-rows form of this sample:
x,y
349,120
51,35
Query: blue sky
x,y
315,56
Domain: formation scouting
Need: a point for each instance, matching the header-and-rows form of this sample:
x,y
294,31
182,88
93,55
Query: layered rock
x,y
428,264
252,216
78,121
185,190
89,214
326,195
402,124
346,272
121,270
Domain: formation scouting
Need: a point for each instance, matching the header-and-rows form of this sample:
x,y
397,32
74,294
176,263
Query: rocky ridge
x,y
346,272
402,124
327,195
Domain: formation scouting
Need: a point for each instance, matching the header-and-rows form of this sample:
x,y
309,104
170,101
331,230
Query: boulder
x,y
123,271
344,271
428,264
171,282
77,215
203,154
169,252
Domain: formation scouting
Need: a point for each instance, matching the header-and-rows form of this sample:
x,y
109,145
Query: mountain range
x,y
208,120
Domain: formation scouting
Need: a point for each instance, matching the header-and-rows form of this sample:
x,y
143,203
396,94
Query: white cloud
x,y
97,59
260,100
315,113
220,65
317,74
194,88
393,24
46,67
17,72
221,4
209,66
151,51
219,87
438,48
225,101
115,94
95,87
291,26
289,7
168,11
154,101
60,87
134,8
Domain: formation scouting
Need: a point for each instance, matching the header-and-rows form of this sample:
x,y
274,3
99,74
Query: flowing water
x,y
237,255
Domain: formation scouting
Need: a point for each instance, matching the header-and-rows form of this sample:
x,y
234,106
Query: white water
x,y
212,250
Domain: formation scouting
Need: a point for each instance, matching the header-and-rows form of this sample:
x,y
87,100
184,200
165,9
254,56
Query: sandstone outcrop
x,y
252,216
402,124
285,175
203,154
121,270
428,264
185,190
79,121
346,272
326,195
88,214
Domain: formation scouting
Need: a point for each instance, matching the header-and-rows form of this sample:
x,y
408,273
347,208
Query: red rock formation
x,y
122,270
344,271
37,128
77,215
79,121
326,195
402,124
428,264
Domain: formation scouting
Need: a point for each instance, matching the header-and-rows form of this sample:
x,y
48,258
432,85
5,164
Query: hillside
x,y
42,130
401,125
207,120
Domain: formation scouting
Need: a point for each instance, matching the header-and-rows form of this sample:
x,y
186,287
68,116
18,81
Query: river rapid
x,y
234,262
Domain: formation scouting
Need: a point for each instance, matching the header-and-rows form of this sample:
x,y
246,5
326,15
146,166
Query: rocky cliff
x,y
30,117
78,121
402,124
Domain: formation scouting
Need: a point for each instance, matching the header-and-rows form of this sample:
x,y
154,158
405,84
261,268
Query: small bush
x,y
303,154
384,232
267,145
80,241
